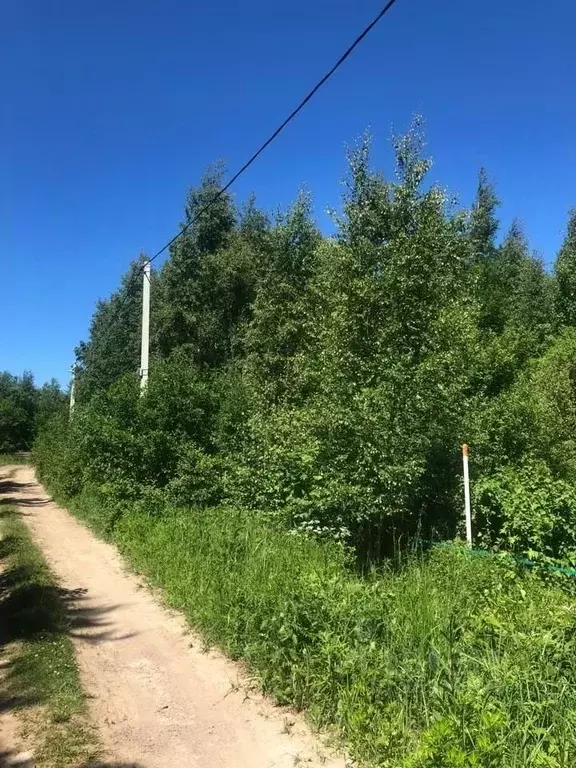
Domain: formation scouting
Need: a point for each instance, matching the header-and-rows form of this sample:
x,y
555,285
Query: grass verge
x,y
14,458
41,681
444,661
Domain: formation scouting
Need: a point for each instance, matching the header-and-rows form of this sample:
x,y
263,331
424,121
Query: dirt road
x,y
157,699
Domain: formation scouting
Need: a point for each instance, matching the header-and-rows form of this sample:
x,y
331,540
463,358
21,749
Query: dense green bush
x,y
527,510
24,408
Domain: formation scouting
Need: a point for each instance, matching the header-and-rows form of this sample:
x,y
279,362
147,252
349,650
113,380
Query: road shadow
x,y
111,765
33,608
7,758
9,494
12,501
9,485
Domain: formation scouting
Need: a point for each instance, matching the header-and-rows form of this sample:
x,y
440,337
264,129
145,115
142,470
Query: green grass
x,y
41,681
442,661
14,458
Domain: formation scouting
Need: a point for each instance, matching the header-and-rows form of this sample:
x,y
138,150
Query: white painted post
x,y
145,348
467,509
72,390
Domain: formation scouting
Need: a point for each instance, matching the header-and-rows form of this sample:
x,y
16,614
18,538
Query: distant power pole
x,y
145,348
72,390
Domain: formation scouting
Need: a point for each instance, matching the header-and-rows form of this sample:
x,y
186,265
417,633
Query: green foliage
x,y
328,382
525,457
444,660
354,379
528,511
278,334
483,222
56,455
123,445
24,408
307,400
565,271
113,348
17,408
548,391
7,459
202,289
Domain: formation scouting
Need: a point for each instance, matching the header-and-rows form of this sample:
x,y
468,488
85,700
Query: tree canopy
x,y
329,381
24,408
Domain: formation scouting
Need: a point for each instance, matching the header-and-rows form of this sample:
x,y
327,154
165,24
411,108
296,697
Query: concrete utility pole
x,y
72,390
145,348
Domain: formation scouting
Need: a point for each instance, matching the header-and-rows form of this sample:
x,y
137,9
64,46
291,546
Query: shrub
x,y
528,511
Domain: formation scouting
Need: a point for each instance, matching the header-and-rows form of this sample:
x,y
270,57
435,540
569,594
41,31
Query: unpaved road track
x,y
157,700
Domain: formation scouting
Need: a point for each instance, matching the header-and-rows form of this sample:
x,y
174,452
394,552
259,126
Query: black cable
x,y
268,141
280,128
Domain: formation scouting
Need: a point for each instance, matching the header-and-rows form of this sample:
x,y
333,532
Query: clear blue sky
x,y
110,110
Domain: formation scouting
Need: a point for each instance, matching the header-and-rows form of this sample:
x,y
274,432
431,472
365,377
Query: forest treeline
x,y
324,385
24,408
328,382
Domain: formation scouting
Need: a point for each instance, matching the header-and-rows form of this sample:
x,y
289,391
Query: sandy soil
x,y
157,699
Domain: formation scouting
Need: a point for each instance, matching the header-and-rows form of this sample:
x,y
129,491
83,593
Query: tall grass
x,y
444,660
14,458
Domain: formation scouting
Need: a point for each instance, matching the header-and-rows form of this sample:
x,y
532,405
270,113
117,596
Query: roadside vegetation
x,y
295,460
9,459
23,409
434,660
40,680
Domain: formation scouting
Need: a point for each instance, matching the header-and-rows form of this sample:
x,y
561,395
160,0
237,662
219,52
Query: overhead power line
x,y
279,129
267,143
